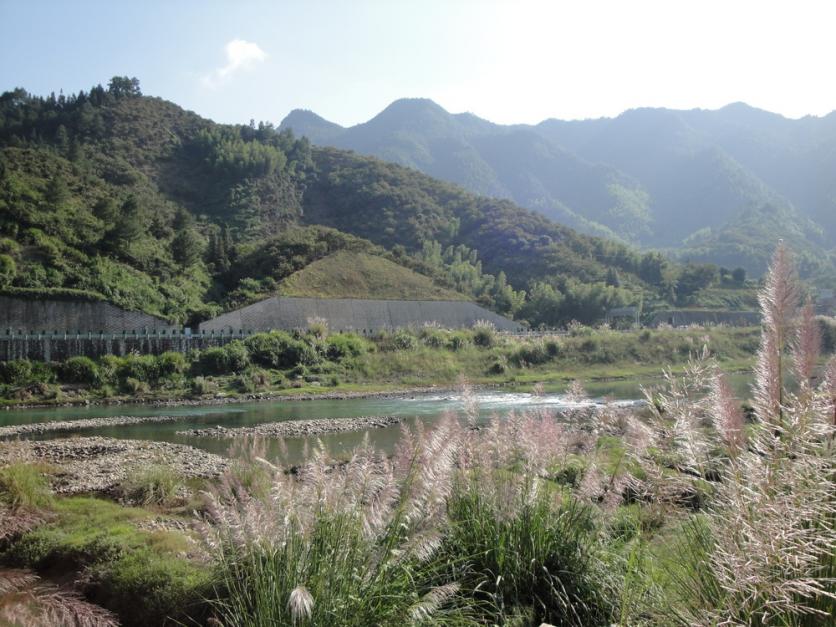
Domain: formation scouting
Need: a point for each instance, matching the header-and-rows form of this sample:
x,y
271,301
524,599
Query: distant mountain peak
x,y
306,123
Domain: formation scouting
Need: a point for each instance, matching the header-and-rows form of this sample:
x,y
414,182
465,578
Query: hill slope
x,y
158,209
655,177
347,274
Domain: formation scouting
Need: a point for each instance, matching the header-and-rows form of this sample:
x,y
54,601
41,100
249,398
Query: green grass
x,y
347,274
24,485
122,564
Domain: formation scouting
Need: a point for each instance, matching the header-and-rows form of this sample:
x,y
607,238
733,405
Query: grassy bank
x,y
316,362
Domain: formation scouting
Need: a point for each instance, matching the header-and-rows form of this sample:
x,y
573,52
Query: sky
x,y
507,61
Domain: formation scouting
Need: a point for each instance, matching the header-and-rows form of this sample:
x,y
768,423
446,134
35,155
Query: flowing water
x,y
426,407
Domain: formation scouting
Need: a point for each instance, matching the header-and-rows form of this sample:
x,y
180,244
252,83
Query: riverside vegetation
x,y
317,361
691,512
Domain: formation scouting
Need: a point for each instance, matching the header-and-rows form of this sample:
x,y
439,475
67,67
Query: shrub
x,y
109,367
214,360
531,354
552,348
144,368
135,386
24,485
275,349
171,589
404,340
499,366
434,336
80,370
172,363
202,386
827,329
237,356
343,346
16,372
244,383
459,340
484,334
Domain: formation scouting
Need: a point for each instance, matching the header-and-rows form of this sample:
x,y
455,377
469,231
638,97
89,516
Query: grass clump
x,y
155,484
25,485
139,575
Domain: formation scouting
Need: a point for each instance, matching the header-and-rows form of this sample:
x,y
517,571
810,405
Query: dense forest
x,y
112,193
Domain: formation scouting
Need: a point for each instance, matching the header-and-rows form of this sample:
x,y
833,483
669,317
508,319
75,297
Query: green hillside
x,y
135,199
348,274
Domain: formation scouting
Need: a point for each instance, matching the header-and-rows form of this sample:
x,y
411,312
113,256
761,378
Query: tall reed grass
x,y
694,515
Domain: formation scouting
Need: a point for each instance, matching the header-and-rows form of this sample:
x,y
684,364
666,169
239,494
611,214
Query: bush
x,y
135,386
827,328
24,485
434,338
172,363
552,348
237,356
202,386
214,361
404,340
109,367
499,366
484,334
16,372
170,589
459,340
80,370
144,368
531,354
343,346
275,350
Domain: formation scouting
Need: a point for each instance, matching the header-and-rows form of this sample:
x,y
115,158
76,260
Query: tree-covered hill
x,y
155,208
692,182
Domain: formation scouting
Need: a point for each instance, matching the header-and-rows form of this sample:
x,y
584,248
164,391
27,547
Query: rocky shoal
x,y
101,465
298,428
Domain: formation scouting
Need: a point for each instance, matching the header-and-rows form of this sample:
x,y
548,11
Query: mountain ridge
x,y
651,176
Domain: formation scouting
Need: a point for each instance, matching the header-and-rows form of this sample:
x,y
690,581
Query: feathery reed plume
x,y
300,604
779,304
806,347
25,600
829,386
727,414
756,554
576,393
431,602
768,390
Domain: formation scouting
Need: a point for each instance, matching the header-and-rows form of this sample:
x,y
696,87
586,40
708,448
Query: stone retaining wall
x,y
46,316
58,347
358,315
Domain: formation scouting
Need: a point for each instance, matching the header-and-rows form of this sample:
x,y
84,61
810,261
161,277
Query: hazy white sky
x,y
506,61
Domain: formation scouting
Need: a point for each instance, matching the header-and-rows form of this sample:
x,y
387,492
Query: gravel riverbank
x,y
59,426
245,398
100,465
298,428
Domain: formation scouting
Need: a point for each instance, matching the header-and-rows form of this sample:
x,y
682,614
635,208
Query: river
x,y
426,407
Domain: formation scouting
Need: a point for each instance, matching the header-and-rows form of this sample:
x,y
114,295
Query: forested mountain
x,y
133,198
716,186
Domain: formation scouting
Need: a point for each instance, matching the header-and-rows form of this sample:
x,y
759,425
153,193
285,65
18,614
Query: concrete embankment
x,y
298,428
